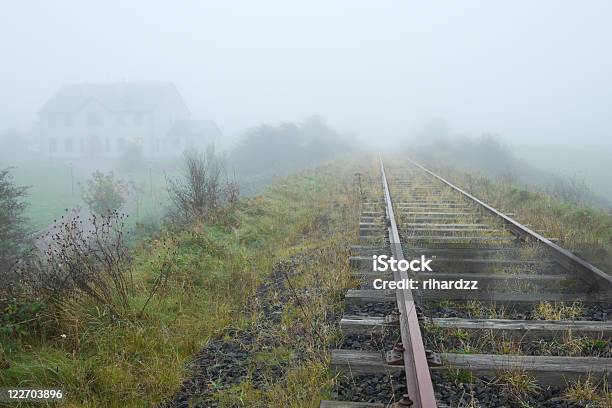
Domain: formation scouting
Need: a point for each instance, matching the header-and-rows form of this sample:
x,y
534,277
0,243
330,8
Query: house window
x,y
51,119
93,119
52,145
120,144
120,119
138,119
82,145
68,145
68,120
107,145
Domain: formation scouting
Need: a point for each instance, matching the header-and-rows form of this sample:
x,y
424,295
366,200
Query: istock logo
x,y
382,263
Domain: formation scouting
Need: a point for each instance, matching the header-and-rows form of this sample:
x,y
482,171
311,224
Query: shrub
x,y
15,316
203,193
90,260
103,193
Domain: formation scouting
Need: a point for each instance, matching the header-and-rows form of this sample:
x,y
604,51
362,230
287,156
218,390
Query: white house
x,y
103,119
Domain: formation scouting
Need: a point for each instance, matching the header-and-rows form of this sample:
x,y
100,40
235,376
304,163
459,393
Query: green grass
x,y
50,190
141,359
55,187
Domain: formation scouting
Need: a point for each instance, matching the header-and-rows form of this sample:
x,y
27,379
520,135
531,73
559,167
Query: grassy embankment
x,y
584,230
141,359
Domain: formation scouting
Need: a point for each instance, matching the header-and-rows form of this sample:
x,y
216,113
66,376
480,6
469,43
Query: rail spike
x,y
396,355
404,402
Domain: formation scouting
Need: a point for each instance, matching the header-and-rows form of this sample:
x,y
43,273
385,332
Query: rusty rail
x,y
420,388
599,280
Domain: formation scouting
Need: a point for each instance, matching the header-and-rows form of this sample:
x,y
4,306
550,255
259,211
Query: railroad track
x,y
539,316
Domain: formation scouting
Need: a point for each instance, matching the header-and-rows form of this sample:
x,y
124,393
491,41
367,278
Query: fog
x,y
153,159
528,71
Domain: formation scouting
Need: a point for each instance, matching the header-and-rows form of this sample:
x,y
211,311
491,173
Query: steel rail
x,y
418,378
588,272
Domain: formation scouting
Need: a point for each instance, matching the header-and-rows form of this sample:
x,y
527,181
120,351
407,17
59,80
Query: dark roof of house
x,y
116,97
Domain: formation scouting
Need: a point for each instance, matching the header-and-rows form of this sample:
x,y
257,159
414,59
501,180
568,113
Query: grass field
x,y
51,189
56,186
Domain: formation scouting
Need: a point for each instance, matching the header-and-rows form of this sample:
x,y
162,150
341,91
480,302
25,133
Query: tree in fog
x,y
285,147
266,147
103,193
13,234
320,140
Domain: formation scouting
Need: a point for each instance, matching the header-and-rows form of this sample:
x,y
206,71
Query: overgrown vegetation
x,y
104,193
124,335
590,394
557,311
83,262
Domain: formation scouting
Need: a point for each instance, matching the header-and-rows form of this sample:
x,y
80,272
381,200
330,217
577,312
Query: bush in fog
x,y
13,234
132,157
84,260
203,193
103,193
573,190
278,149
489,156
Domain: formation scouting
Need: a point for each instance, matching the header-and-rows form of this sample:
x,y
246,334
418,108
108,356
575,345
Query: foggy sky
x,y
527,70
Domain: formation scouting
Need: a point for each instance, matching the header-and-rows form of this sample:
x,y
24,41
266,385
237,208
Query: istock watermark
x,y
382,263
429,284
